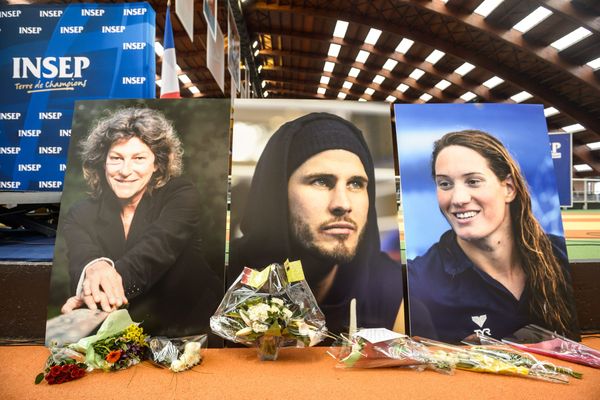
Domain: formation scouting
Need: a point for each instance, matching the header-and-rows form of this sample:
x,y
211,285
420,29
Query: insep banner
x,y
560,146
52,55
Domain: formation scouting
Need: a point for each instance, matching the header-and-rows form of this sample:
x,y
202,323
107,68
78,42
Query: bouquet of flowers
x,y
177,354
270,309
495,348
480,359
118,344
380,347
535,339
63,365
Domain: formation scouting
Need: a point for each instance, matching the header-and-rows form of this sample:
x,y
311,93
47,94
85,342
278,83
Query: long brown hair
x,y
551,294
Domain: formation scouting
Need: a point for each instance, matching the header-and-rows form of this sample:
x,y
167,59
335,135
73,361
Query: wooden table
x,y
297,374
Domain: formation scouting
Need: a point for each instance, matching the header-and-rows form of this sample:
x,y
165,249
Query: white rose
x,y
258,327
277,301
259,312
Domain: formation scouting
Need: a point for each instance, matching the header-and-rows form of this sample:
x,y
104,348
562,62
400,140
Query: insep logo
x,y
113,29
49,149
49,67
50,115
71,29
91,12
30,30
49,184
50,13
134,11
134,45
134,80
30,167
29,132
556,153
10,14
10,150
10,116
10,185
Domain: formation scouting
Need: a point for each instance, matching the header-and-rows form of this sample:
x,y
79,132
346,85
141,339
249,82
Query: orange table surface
x,y
297,374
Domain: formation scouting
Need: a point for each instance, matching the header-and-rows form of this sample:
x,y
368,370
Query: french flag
x,y
168,76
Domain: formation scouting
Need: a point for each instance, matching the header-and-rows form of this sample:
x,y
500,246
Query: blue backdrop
x,y
562,156
520,127
51,56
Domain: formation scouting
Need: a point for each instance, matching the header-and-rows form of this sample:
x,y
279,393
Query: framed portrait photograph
x,y
314,181
143,216
485,244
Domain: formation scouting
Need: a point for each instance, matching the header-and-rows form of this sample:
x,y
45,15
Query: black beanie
x,y
322,132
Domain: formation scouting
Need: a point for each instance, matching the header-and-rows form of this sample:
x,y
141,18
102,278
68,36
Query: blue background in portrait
x,y
109,64
521,128
563,166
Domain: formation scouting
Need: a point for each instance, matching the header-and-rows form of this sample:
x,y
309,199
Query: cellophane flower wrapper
x,y
177,354
488,345
380,347
535,339
476,359
63,365
273,308
118,344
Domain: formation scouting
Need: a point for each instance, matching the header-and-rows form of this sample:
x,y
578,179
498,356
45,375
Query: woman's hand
x,y
103,285
75,302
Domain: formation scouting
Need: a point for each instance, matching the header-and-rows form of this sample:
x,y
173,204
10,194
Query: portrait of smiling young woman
x,y
494,269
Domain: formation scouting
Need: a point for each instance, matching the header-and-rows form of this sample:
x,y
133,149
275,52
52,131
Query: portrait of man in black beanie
x,y
312,198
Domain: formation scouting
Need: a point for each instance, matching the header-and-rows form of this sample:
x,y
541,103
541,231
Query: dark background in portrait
x,y
203,128
256,120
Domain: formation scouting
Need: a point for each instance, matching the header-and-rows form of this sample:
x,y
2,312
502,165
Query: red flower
x,y
64,373
113,356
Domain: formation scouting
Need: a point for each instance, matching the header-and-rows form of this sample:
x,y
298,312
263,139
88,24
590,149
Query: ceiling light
x,y
362,56
378,79
158,49
334,50
328,66
416,74
487,7
550,111
369,91
255,44
354,72
521,96
571,38
573,128
259,68
341,95
594,64
184,79
435,56
340,29
372,36
361,99
324,80
593,146
464,69
266,93
426,97
468,96
402,88
582,168
443,84
404,45
263,84
493,82
390,64
534,18
347,85
321,90
256,52
390,98
194,89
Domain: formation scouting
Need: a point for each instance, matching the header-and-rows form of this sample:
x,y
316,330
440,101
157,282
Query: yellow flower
x,y
135,334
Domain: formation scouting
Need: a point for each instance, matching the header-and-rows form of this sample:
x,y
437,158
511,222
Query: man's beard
x,y
341,253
